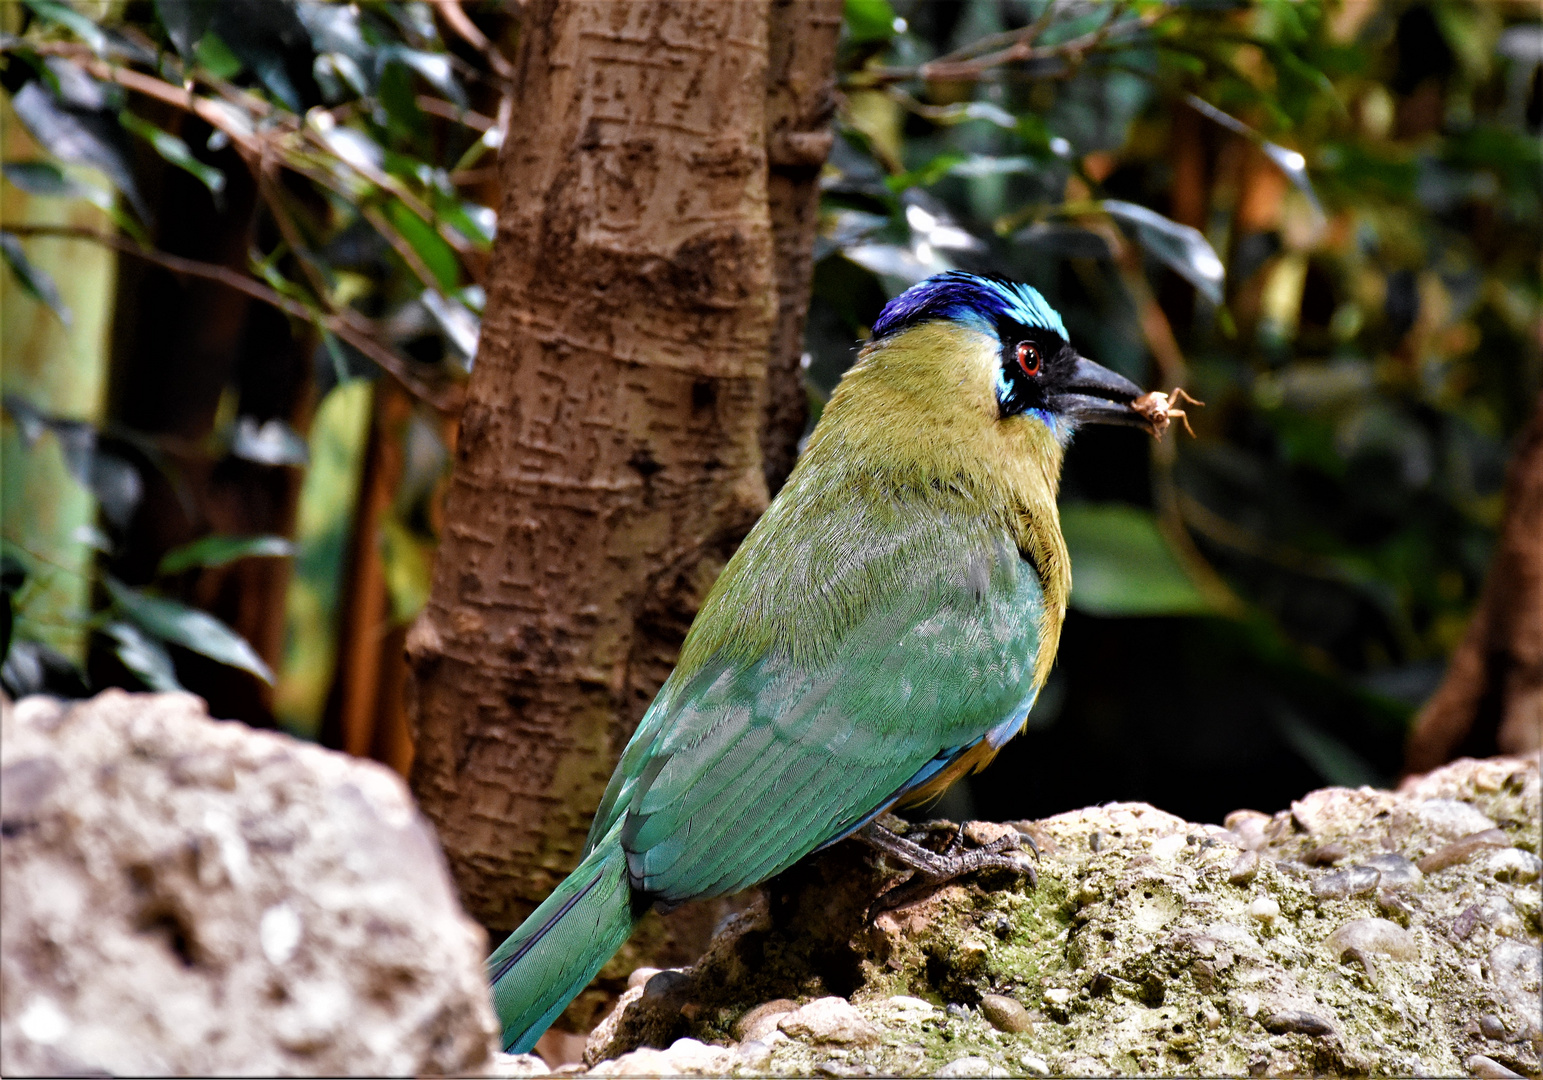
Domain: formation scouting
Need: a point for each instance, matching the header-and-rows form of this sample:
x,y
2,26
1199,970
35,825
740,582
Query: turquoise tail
x,y
552,956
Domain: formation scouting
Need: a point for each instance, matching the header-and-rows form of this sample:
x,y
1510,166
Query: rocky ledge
x,y
184,896
1359,932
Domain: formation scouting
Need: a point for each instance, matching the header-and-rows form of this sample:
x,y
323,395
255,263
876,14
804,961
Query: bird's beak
x,y
1096,395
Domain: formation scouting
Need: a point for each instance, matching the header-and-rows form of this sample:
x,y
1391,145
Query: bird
x,y
882,630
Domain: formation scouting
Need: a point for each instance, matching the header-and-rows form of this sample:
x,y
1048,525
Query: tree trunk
x,y
610,454
1492,697
800,98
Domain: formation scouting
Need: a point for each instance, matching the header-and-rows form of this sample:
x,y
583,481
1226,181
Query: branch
x,y
447,111
460,22
950,69
346,325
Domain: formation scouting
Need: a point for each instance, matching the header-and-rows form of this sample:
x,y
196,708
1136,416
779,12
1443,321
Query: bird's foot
x,y
931,869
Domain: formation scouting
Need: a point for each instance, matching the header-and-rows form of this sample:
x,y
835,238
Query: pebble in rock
x,y
1513,864
1374,935
1397,872
971,1066
1460,851
1351,881
1479,1065
1452,818
762,1020
829,1020
1515,969
1034,1065
1264,909
1005,1014
1244,868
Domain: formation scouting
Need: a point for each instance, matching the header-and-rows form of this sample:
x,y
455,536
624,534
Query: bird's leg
x,y
931,869
955,842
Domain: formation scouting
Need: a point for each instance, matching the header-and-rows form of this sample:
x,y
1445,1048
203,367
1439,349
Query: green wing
x,y
746,765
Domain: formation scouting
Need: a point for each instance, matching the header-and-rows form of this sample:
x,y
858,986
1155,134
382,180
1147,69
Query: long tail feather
x,y
552,956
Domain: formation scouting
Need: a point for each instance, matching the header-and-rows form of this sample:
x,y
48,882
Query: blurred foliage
x,y
1322,219
360,125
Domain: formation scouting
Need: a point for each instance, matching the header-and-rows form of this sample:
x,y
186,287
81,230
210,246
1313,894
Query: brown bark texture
x,y
1492,697
610,454
800,98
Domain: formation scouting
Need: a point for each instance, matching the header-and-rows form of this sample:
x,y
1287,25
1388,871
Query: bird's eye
x,y
1028,358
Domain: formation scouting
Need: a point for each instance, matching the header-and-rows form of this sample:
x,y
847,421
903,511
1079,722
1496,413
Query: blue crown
x,y
984,303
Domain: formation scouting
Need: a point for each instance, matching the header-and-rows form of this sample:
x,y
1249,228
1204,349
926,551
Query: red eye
x,y
1028,358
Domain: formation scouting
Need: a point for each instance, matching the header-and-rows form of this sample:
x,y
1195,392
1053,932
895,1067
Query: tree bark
x,y
610,454
1492,697
800,98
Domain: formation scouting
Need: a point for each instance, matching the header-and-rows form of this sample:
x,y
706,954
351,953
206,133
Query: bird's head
x,y
1009,352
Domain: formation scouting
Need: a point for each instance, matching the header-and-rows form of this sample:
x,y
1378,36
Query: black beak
x,y
1096,395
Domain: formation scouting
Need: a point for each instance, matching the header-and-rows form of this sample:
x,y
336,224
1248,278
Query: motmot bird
x,y
882,631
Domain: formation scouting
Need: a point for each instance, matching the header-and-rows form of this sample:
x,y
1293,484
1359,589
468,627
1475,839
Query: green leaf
x,y
437,255
1183,249
216,57
186,22
63,15
434,67
927,175
219,549
144,656
44,178
870,20
1122,566
182,625
81,136
47,180
34,282
175,151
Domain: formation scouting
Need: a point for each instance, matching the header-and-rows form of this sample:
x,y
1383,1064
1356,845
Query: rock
x,y
188,896
762,1020
1479,1065
1294,1020
1034,1065
1513,865
1249,827
1244,868
1396,871
640,976
1137,955
517,1066
1516,970
1351,881
971,1066
829,1020
1373,935
1005,1014
1264,909
1460,851
1451,818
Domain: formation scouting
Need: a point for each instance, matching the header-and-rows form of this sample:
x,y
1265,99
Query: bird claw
x,y
931,870
1157,408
